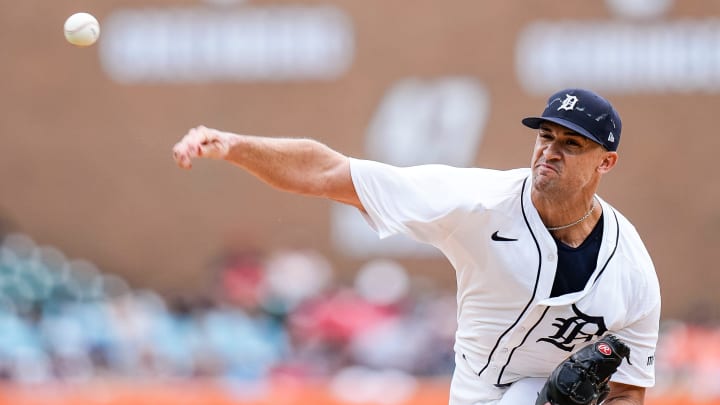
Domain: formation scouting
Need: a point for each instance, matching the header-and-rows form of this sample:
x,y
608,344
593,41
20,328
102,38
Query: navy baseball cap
x,y
584,112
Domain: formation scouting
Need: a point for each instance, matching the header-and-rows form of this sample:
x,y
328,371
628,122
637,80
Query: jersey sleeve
x,y
641,336
643,317
424,202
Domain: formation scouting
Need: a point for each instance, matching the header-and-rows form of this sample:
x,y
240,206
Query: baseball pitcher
x,y
558,300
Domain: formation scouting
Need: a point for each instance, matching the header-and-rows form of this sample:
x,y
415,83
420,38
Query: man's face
x,y
565,162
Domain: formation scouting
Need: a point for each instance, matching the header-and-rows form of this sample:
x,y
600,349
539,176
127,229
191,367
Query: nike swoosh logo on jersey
x,y
499,238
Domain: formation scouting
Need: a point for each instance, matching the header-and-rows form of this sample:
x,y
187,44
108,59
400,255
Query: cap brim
x,y
534,123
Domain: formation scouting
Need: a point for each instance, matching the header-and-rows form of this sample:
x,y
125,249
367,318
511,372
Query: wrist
x,y
234,146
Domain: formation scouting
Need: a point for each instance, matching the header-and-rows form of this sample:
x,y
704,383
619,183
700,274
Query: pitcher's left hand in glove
x,y
583,378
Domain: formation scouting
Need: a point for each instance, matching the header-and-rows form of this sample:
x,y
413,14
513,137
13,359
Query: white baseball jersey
x,y
505,260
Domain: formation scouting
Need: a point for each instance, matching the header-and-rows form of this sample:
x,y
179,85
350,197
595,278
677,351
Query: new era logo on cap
x,y
584,112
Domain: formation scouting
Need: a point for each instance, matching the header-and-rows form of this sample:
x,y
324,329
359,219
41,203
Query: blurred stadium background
x,y
126,280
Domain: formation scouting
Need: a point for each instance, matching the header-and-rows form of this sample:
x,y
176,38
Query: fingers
x,y
181,157
198,142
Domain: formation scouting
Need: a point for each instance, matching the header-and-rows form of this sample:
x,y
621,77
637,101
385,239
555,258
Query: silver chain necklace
x,y
584,217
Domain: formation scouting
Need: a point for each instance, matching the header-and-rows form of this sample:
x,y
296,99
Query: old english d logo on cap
x,y
569,103
584,112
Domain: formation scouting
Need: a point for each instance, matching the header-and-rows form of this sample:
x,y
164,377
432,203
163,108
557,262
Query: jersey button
x,y
551,257
505,350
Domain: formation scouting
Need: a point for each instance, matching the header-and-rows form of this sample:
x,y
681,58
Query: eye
x,y
545,135
572,142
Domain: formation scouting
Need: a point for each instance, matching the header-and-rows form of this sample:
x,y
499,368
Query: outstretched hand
x,y
201,142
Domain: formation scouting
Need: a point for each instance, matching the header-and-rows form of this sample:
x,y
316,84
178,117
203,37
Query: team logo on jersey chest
x,y
578,328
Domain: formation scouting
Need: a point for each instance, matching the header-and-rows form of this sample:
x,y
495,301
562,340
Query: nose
x,y
552,151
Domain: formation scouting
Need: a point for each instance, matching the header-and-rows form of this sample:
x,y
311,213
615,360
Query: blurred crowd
x,y
280,315
688,359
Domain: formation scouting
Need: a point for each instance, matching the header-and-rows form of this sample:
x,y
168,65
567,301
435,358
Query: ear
x,y
609,161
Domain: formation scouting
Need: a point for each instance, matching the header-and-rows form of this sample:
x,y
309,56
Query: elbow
x,y
320,182
328,183
337,185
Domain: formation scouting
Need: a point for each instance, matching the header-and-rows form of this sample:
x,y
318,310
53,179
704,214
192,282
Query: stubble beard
x,y
547,186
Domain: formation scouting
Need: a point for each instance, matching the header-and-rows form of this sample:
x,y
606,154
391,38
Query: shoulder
x,y
630,243
481,178
463,179
634,259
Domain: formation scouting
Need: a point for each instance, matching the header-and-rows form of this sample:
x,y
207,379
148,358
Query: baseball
x,y
82,29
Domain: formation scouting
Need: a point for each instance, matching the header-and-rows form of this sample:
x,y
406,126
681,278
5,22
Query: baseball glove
x,y
583,378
